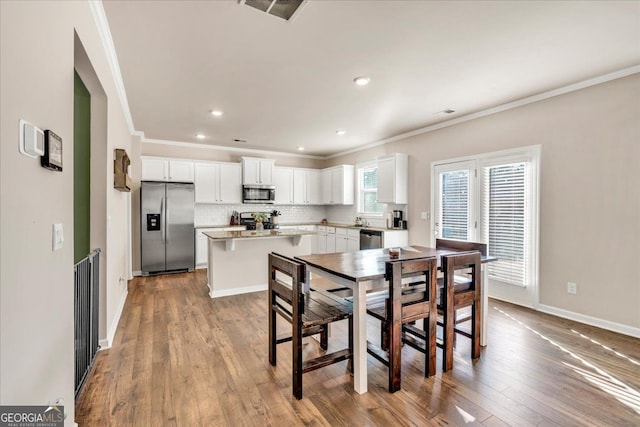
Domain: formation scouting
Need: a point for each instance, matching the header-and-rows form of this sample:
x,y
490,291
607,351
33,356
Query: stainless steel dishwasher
x,y
370,239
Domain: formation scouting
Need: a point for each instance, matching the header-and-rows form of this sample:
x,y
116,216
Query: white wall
x,y
589,201
36,286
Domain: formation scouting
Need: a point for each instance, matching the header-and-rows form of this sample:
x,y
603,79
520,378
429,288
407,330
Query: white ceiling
x,y
287,84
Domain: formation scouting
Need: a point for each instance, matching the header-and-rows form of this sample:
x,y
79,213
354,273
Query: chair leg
x,y
395,356
447,337
429,325
350,362
296,351
384,336
324,337
475,329
272,334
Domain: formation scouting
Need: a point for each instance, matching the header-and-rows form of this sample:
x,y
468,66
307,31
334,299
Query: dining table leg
x,y
359,324
484,307
360,339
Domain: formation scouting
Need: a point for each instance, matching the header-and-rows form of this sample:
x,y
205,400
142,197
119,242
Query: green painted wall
x,y
81,169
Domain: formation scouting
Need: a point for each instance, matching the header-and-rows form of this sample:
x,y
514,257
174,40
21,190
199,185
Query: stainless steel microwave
x,y
258,194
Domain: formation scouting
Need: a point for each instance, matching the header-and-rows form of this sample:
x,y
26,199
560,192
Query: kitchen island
x,y
238,260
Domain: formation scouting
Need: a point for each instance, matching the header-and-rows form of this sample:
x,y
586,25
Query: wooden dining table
x,y
363,271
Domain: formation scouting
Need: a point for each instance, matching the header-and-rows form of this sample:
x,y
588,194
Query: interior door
x,y
152,198
179,235
454,199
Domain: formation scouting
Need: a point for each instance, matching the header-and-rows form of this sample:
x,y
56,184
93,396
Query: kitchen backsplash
x,y
209,214
347,215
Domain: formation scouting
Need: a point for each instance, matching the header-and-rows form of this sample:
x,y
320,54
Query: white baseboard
x,y
116,319
593,321
104,344
236,291
137,273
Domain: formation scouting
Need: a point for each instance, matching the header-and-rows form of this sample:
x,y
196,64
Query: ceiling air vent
x,y
285,9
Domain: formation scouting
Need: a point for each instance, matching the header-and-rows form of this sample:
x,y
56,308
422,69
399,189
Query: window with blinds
x,y
504,221
455,205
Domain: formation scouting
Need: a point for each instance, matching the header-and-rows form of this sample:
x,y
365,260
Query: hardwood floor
x,y
180,358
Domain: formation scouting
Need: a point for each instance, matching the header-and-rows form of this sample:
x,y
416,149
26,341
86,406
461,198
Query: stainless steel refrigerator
x,y
167,238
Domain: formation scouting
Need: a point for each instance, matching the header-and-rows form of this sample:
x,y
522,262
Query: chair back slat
x,y
461,245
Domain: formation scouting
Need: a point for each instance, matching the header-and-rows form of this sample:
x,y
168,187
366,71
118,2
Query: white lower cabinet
x,y
337,239
393,238
331,240
347,239
353,240
201,247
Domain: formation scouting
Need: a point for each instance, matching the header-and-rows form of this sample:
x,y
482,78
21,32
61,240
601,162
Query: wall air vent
x,y
285,9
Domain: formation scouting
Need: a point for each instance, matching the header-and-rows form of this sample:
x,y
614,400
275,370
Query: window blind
x,y
455,205
504,221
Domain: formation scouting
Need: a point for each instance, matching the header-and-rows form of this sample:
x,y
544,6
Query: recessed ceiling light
x,y
341,132
300,148
217,113
362,80
200,136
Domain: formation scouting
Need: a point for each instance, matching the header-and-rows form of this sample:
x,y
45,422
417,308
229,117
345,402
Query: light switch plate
x,y
57,236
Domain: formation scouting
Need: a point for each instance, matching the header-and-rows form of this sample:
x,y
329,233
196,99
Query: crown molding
x,y
508,106
233,149
97,10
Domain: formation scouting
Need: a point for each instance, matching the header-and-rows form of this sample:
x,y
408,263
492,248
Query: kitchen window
x,y
368,190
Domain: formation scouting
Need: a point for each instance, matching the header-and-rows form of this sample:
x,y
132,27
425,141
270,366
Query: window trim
x,y
530,154
360,191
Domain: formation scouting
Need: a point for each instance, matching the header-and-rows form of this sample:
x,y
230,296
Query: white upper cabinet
x,y
230,183
393,173
283,181
218,183
159,169
257,171
306,187
207,182
337,185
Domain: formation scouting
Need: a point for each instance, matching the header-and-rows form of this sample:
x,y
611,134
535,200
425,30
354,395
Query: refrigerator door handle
x,y
163,220
166,220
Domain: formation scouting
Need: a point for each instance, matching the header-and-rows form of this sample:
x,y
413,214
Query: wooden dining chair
x,y
309,313
457,291
403,304
461,245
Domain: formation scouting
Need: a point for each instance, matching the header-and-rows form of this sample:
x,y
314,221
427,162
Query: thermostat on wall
x,y
31,140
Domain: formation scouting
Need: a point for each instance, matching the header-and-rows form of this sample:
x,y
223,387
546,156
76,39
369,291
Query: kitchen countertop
x,y
230,237
293,224
240,227
248,234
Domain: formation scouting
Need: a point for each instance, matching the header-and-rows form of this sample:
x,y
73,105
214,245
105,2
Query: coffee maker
x,y
397,219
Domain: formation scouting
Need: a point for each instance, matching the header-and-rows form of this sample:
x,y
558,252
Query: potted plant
x,y
260,217
274,216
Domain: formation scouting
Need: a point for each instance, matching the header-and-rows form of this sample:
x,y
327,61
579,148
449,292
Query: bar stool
x,y
401,305
456,292
308,312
